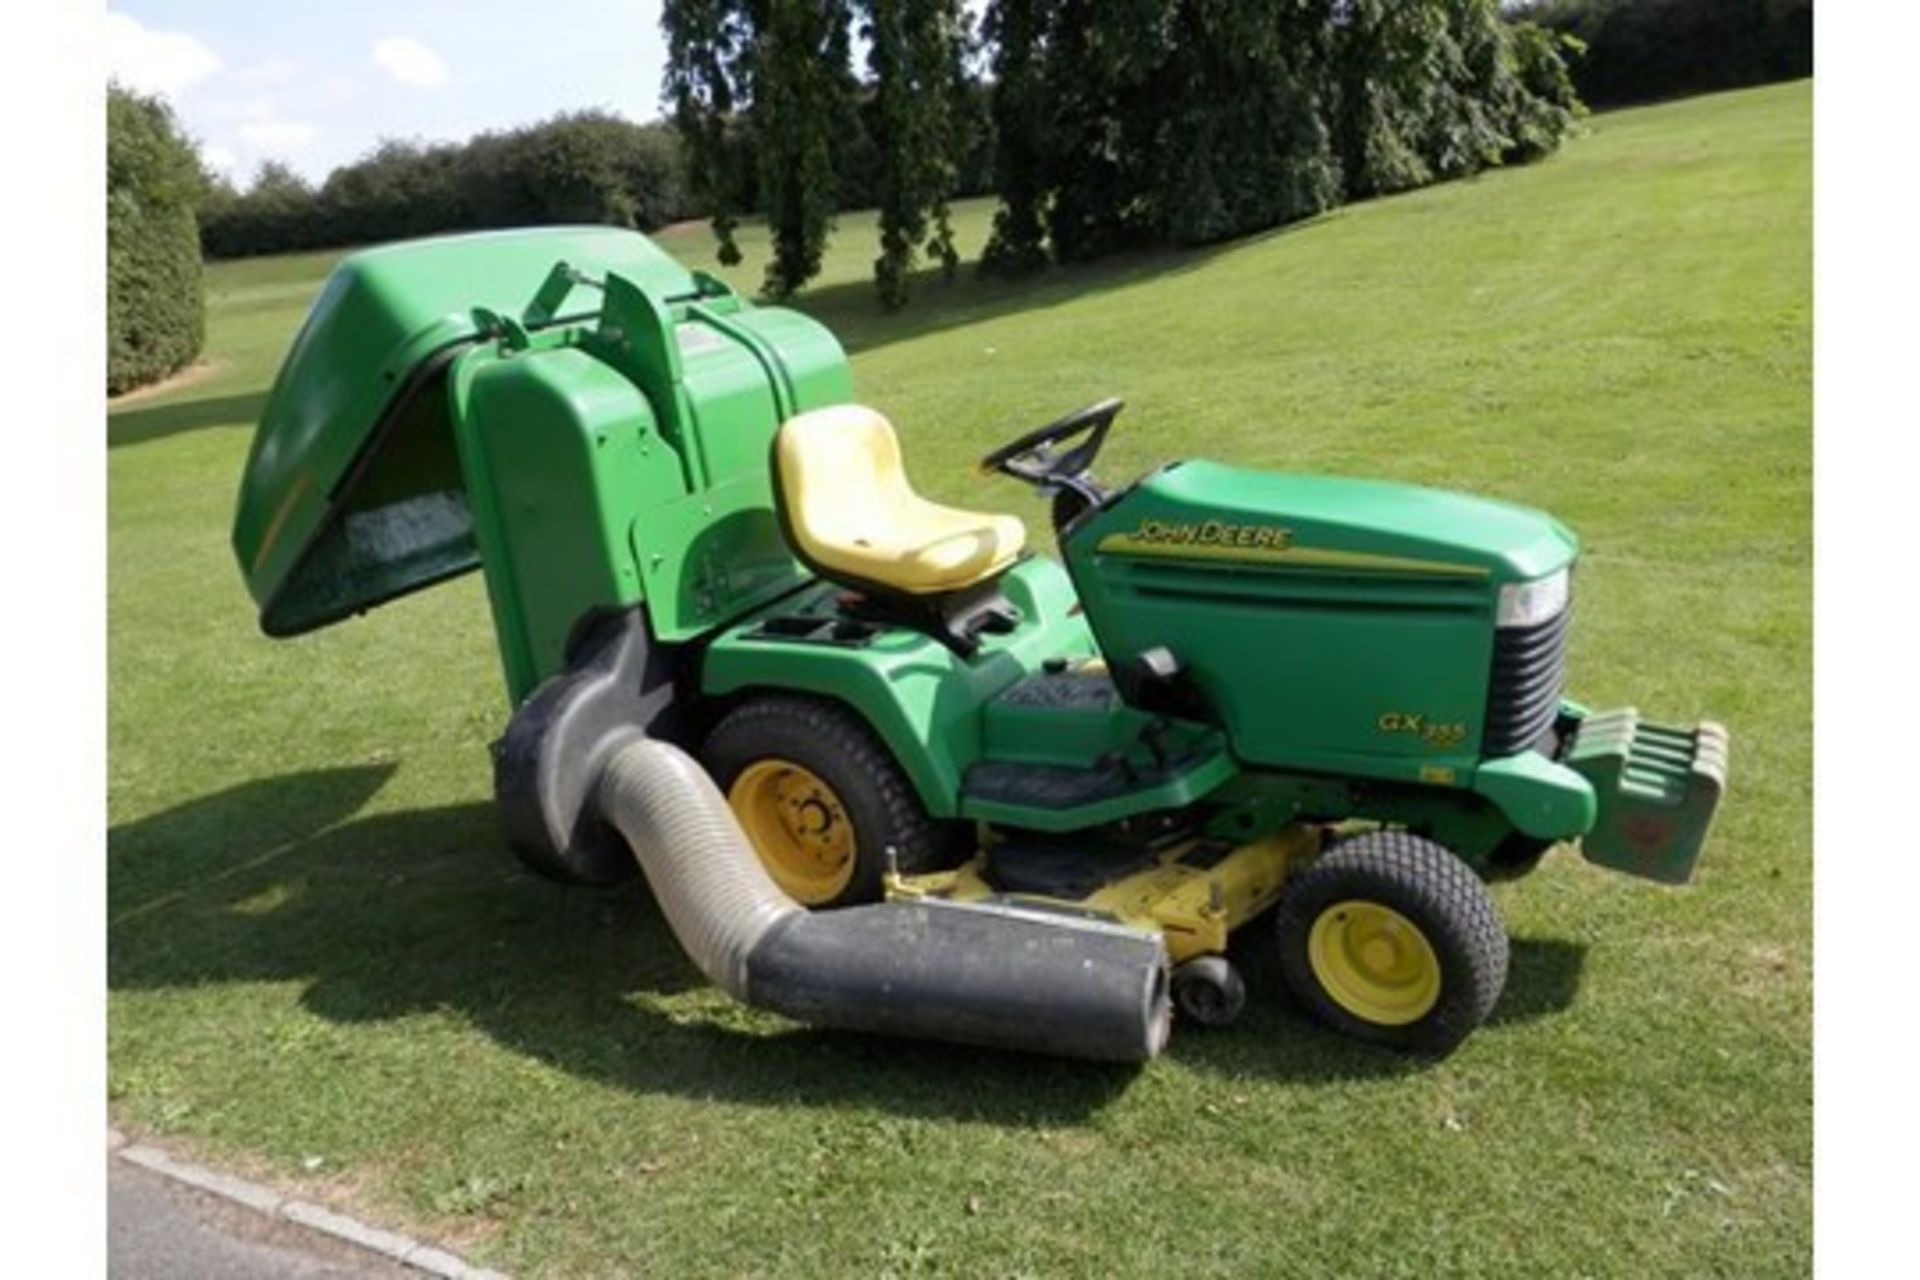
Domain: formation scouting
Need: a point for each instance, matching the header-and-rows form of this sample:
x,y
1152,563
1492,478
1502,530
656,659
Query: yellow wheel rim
x,y
1374,962
798,827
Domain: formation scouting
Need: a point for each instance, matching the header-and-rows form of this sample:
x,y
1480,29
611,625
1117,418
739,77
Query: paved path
x,y
160,1230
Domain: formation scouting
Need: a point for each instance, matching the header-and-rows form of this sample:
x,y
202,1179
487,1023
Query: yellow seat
x,y
852,514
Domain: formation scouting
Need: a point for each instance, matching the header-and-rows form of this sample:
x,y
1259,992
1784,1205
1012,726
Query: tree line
x,y
588,166
1115,123
579,167
1643,50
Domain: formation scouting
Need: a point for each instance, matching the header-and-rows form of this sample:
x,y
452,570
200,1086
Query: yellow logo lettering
x,y
1215,533
1434,733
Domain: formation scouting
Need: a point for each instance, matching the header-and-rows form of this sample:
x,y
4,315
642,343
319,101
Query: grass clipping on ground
x,y
324,963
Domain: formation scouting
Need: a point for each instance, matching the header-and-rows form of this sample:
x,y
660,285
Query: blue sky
x,y
317,85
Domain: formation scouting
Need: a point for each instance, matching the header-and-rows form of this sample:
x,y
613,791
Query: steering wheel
x,y
1033,456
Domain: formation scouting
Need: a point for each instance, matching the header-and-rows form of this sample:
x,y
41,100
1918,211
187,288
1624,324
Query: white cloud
x,y
268,73
259,106
162,62
279,136
221,160
409,61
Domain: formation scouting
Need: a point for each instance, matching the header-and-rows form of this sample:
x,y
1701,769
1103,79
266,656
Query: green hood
x,y
1376,524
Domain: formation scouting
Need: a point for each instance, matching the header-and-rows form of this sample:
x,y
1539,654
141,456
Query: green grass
x,y
324,965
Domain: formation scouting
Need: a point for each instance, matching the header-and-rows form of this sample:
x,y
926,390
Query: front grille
x,y
1523,695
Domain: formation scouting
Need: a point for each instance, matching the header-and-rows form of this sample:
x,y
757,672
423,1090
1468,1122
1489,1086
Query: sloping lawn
x,y
325,967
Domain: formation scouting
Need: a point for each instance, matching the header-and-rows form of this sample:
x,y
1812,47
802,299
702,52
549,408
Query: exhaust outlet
x,y
982,974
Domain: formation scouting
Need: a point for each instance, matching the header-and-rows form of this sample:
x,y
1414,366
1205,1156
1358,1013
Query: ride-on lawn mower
x,y
887,766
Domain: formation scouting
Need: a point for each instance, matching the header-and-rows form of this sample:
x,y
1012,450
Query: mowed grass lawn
x,y
326,968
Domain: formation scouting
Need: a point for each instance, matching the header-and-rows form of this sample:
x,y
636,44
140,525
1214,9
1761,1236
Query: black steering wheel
x,y
1035,456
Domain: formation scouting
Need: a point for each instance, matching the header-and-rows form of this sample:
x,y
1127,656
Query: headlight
x,y
1528,604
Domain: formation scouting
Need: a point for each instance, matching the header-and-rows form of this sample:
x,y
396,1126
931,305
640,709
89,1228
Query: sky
x,y
319,85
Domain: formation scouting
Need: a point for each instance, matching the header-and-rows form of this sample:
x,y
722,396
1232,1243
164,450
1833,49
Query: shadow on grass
x,y
852,311
1543,976
137,426
1275,1040
395,914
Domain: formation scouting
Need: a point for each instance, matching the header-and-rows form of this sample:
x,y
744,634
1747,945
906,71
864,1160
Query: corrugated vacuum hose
x,y
983,974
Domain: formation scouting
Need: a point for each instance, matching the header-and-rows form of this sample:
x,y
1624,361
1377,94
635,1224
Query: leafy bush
x,y
156,301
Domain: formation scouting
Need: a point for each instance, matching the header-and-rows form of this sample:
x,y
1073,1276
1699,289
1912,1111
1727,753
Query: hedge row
x,y
156,302
583,167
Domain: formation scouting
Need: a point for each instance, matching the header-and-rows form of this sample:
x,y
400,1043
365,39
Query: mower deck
x,y
1193,892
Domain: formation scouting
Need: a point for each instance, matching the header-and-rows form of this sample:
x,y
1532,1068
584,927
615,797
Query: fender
x,y
1540,797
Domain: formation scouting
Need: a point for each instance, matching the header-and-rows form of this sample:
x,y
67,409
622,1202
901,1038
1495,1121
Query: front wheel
x,y
1391,938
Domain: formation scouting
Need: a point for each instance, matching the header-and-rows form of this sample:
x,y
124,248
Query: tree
x,y
780,69
1235,137
708,84
917,53
1099,60
156,300
1016,31
764,95
803,102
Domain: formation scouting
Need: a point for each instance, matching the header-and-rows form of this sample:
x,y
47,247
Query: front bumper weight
x,y
1658,789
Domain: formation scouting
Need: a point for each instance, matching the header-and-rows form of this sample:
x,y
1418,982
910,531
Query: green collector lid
x,y
351,493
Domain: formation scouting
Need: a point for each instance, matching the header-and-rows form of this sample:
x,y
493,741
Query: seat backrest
x,y
849,514
832,464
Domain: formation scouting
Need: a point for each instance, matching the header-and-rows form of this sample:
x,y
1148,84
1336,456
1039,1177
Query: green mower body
x,y
1226,654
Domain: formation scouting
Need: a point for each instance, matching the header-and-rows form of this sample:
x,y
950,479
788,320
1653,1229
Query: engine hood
x,y
1208,511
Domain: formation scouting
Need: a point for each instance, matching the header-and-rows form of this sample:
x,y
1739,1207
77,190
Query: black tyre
x,y
1391,938
822,800
1515,856
1209,992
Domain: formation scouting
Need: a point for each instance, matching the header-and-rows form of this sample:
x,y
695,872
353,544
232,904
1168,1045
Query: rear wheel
x,y
1391,938
821,800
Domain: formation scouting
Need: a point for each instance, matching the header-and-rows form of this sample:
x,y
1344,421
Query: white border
x,y
1867,628
53,531
52,527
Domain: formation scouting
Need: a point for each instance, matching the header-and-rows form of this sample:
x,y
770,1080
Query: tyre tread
x,y
1447,899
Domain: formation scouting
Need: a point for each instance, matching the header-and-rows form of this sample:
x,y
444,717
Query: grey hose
x,y
716,896
1000,975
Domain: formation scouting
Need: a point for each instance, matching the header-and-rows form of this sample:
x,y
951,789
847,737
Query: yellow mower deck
x,y
1194,894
